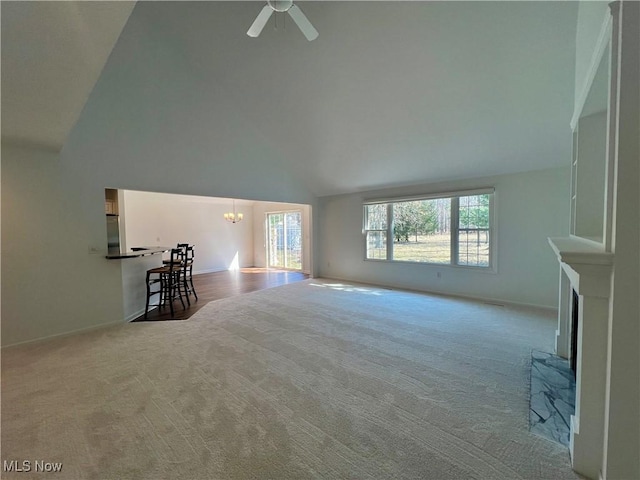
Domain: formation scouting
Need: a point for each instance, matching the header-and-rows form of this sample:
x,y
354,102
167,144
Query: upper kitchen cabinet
x,y
111,201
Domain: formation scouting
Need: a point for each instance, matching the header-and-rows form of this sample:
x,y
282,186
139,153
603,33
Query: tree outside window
x,y
453,229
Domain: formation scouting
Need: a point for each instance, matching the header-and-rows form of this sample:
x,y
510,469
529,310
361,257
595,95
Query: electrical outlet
x,y
94,250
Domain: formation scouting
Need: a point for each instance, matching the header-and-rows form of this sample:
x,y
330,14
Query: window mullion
x,y
390,231
490,231
455,225
471,246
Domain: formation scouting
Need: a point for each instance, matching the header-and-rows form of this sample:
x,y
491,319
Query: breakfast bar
x,y
135,252
134,263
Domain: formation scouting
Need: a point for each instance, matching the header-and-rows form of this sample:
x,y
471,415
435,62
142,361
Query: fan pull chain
x,y
275,21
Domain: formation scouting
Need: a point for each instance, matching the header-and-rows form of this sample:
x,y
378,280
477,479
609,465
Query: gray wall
x,y
529,208
52,218
152,123
148,125
51,283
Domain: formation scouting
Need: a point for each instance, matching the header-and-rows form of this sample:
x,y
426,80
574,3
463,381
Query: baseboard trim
x,y
209,270
492,301
213,270
63,334
216,270
139,313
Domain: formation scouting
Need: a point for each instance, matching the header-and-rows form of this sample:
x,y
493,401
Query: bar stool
x,y
186,275
179,246
168,279
187,271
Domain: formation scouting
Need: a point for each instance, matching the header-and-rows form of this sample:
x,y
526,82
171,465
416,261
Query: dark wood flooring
x,y
213,286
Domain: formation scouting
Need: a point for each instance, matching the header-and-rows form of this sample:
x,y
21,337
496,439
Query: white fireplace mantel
x,y
586,263
587,268
576,250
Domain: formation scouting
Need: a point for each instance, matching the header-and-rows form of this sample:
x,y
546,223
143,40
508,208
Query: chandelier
x,y
233,217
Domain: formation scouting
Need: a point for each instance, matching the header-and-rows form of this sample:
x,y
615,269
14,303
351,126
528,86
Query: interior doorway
x,y
284,240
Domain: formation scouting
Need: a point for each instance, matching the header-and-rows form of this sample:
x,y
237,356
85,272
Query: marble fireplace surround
x,y
586,268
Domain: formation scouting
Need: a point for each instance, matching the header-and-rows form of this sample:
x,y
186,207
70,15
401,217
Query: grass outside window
x,y
446,230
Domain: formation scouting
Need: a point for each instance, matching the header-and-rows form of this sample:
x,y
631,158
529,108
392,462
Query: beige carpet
x,y
308,380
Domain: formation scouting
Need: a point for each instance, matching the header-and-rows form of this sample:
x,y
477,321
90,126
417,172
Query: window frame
x,y
365,231
455,229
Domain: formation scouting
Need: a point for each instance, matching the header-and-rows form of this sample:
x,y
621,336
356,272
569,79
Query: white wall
x,y
134,288
529,207
165,219
591,173
52,284
591,15
151,218
56,279
154,123
154,127
260,209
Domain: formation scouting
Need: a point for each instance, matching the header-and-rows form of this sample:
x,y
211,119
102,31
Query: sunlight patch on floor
x,y
347,288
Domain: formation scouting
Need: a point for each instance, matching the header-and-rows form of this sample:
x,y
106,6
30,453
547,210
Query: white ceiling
x,y
390,93
52,55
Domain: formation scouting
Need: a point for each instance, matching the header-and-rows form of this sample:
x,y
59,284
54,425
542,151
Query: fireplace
x,y
585,284
575,314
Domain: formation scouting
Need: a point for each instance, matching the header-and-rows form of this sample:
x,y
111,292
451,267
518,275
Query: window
x,y
376,221
284,238
451,229
473,230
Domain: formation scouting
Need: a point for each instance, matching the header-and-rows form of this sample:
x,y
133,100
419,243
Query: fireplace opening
x,y
573,354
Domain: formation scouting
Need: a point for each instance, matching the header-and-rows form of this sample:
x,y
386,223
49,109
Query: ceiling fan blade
x,y
303,23
260,21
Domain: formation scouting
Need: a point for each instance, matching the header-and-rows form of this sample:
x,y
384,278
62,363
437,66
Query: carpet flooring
x,y
316,379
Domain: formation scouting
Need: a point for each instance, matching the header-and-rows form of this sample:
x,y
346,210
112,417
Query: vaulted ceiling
x,y
390,93
52,55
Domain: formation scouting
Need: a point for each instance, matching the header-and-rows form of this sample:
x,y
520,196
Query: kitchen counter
x,y
135,252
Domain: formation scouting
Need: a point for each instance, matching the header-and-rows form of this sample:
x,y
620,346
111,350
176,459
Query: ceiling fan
x,y
282,6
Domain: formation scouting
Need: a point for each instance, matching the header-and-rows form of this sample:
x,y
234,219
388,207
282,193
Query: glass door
x,y
284,240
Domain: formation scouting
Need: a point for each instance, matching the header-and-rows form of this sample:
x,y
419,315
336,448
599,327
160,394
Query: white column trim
x,y
589,269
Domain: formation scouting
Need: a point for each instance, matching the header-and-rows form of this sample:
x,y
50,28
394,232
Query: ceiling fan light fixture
x,y
282,6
